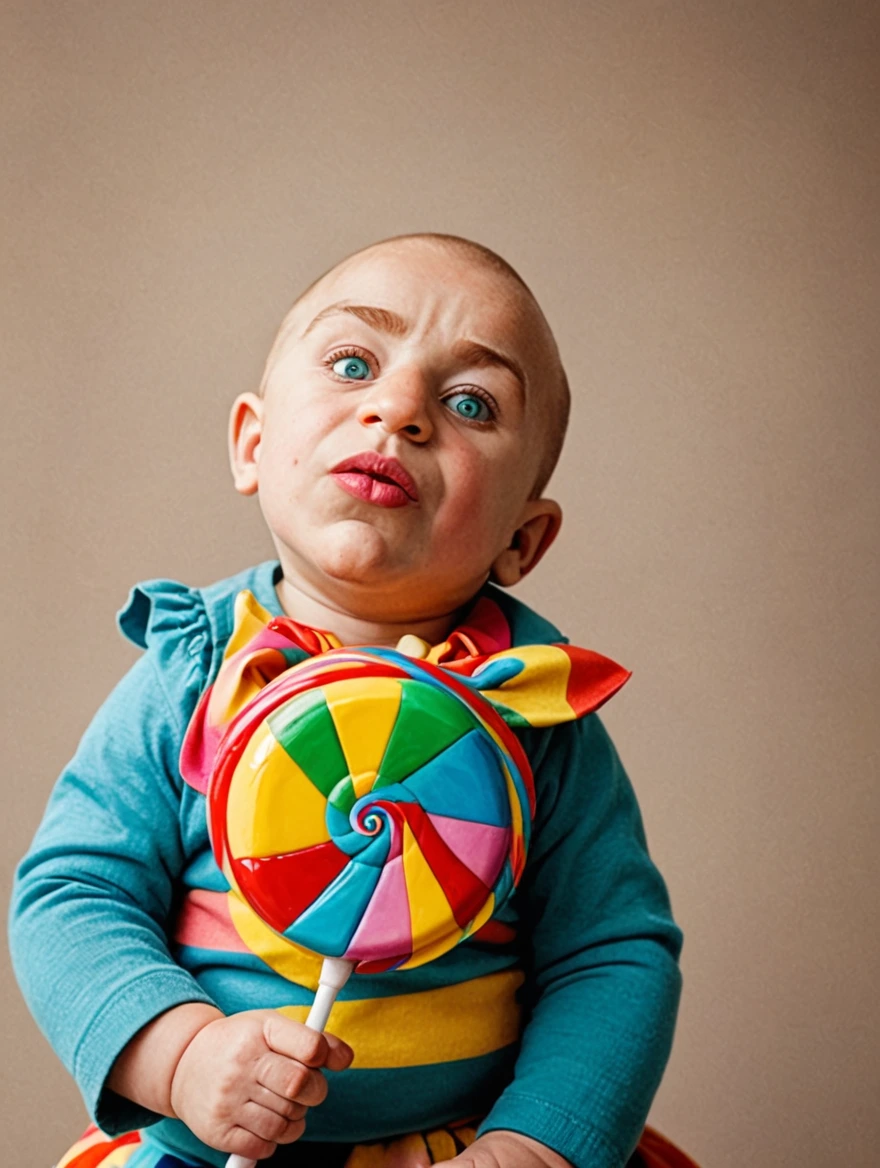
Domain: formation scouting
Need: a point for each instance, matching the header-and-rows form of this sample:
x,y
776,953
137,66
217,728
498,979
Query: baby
x,y
411,412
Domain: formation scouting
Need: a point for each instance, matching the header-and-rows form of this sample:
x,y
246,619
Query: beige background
x,y
693,191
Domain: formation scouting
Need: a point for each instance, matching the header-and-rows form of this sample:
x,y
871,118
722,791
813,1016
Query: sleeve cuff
x,y
127,1012
582,1145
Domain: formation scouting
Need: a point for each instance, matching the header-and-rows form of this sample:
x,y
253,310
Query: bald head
x,y
552,390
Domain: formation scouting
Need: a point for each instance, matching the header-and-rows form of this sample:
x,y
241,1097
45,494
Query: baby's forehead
x,y
418,277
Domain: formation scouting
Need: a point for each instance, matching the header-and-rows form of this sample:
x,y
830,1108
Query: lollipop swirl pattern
x,y
370,804
371,807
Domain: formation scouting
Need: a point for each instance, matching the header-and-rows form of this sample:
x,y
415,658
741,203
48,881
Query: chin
x,y
358,554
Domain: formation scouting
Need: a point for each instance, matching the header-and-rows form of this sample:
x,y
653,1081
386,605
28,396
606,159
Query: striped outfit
x,y
554,1020
96,1150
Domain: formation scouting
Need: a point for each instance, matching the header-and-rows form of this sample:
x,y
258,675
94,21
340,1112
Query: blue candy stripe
x,y
329,923
446,784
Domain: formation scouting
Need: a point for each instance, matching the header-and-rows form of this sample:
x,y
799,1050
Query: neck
x,y
303,606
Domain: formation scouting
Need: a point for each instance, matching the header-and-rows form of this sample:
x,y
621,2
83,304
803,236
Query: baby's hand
x,y
496,1149
245,1083
507,1149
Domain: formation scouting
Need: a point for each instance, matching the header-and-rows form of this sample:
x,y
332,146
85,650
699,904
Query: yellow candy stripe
x,y
442,946
287,959
268,778
363,711
481,917
430,914
362,784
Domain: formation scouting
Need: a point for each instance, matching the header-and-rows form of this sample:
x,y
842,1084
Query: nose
x,y
399,404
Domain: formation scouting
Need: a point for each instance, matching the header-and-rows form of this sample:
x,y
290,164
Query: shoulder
x,y
573,760
185,629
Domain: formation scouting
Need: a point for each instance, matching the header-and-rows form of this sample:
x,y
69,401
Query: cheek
x,y
482,495
294,435
280,454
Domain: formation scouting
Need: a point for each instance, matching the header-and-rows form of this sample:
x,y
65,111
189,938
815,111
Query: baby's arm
x,y
94,893
604,975
88,935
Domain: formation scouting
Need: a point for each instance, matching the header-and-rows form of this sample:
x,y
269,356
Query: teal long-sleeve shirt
x,y
556,1022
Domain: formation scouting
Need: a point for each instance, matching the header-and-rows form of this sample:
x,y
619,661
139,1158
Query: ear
x,y
538,527
245,432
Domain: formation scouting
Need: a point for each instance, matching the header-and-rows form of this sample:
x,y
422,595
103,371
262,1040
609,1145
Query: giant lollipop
x,y
371,808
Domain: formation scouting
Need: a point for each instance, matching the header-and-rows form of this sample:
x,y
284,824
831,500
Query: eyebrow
x,y
386,321
382,319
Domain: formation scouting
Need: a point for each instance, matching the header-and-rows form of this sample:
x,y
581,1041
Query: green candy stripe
x,y
304,728
428,721
343,797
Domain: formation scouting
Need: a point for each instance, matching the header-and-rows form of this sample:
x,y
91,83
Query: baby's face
x,y
400,431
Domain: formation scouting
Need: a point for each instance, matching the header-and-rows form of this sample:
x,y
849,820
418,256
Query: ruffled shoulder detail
x,y
185,630
171,622
160,609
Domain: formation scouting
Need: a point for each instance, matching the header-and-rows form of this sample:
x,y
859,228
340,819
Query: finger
x,y
339,1054
268,1125
288,1108
291,1079
295,1041
244,1143
279,1075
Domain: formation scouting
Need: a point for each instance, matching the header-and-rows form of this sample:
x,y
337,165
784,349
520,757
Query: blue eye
x,y
468,405
353,367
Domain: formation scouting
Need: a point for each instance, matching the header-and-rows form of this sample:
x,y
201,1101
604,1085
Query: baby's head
x,y
412,409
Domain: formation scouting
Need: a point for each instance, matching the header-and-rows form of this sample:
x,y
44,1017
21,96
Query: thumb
x,y
340,1054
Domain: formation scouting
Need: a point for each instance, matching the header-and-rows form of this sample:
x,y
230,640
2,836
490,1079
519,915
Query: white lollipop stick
x,y
335,972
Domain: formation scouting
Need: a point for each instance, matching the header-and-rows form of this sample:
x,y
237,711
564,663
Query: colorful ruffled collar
x,y
529,685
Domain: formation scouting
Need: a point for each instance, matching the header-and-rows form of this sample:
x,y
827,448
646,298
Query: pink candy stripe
x,y
385,929
482,847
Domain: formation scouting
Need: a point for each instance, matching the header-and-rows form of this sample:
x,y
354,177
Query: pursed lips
x,y
376,479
